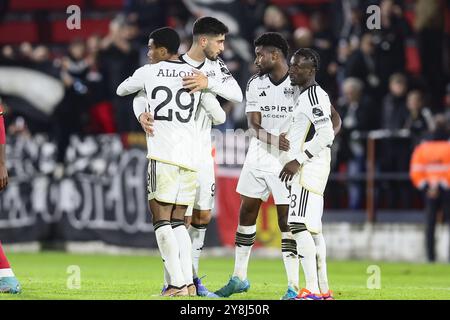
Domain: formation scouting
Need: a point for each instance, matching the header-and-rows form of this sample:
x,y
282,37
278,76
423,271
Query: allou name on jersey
x,y
277,108
173,73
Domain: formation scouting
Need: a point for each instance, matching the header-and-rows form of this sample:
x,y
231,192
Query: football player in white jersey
x,y
212,77
172,176
307,169
269,105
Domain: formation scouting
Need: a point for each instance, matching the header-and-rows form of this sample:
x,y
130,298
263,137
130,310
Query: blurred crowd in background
x,y
395,78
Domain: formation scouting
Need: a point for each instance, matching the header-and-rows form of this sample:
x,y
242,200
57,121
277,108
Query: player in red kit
x,y
8,281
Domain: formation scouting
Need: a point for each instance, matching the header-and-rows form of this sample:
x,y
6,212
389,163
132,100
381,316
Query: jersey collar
x,y
277,83
184,60
314,84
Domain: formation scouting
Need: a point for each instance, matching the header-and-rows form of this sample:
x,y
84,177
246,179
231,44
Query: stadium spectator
x,y
72,114
395,151
430,172
118,59
429,27
275,20
420,119
389,41
324,44
147,15
362,64
349,22
357,113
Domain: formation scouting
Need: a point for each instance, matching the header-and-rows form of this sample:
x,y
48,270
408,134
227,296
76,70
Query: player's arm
x,y
3,170
225,86
213,108
336,120
323,138
140,109
134,83
254,120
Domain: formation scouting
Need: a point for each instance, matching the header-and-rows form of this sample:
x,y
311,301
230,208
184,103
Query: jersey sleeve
x,y
251,101
140,103
134,83
213,108
224,85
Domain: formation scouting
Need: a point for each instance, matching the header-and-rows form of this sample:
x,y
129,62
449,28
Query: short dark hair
x,y
310,55
209,25
273,39
166,37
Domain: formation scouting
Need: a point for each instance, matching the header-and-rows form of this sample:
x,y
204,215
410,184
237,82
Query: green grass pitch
x,y
46,275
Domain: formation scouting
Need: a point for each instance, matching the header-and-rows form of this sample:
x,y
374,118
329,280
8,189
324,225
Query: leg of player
x,y
197,232
168,246
185,245
8,281
245,238
289,253
306,249
321,248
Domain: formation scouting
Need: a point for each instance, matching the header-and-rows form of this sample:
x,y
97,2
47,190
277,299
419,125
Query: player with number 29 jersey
x,y
173,108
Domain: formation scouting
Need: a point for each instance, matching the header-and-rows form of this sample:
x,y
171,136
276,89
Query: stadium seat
x,y
410,17
18,31
29,5
60,33
300,20
413,64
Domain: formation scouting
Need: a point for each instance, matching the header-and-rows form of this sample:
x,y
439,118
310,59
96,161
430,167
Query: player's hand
x,y
195,83
289,170
283,143
146,120
3,177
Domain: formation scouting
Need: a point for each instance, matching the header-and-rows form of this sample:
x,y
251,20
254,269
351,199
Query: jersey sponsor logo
x,y
277,108
173,73
263,94
210,73
225,79
288,92
320,121
317,112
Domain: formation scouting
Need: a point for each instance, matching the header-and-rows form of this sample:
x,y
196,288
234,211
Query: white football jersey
x,y
312,113
175,139
224,85
275,101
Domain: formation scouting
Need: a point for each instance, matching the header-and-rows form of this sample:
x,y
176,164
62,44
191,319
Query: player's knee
x,y
201,217
297,227
160,223
247,215
177,223
282,223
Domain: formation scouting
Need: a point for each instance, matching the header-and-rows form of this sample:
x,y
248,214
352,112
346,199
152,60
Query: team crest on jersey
x,y
288,92
317,112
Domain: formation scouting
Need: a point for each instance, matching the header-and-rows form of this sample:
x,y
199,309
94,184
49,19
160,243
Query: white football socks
x,y
290,259
168,247
321,262
197,234
245,238
185,245
306,249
